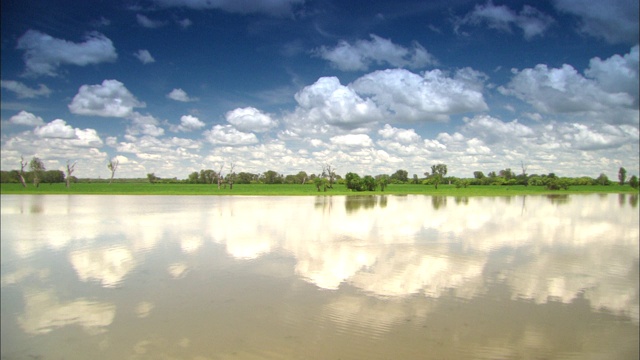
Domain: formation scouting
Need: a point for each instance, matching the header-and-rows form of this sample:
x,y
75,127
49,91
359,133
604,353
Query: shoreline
x,y
302,190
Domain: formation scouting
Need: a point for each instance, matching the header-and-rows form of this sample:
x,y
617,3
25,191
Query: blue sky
x,y
174,86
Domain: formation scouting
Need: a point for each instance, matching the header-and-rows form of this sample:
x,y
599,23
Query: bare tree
x,y
23,164
230,176
329,172
70,169
220,176
112,165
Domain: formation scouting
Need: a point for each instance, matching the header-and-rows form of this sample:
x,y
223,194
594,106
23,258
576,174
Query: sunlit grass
x,y
298,190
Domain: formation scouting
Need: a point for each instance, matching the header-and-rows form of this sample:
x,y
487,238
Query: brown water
x,y
393,277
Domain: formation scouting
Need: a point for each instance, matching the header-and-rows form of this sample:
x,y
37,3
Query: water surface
x,y
375,277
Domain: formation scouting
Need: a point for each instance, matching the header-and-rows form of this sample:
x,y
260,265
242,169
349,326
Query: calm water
x,y
379,277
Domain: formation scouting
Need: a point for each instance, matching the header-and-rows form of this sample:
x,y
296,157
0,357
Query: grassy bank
x,y
298,190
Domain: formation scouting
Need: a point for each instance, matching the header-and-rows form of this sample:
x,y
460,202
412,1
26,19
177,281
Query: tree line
x,y
34,172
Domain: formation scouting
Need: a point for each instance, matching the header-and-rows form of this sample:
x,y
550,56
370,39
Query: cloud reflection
x,y
544,249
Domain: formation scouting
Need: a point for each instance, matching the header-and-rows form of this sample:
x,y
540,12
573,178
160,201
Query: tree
x,y
369,183
193,178
438,171
523,177
219,175
231,176
271,177
401,176
302,177
23,164
478,175
70,169
353,181
152,178
383,181
622,175
506,173
633,182
320,182
112,165
37,167
602,179
329,172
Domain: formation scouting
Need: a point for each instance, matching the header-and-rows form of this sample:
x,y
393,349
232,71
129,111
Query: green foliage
x,y
633,182
622,175
400,177
602,179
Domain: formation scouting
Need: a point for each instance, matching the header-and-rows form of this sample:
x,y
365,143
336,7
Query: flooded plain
x,y
371,277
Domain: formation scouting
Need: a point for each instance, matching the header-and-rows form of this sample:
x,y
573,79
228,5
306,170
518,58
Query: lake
x,y
358,277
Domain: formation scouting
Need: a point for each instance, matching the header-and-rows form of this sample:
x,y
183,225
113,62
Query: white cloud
x,y
180,95
404,136
564,90
492,130
361,54
144,125
110,99
617,73
615,20
44,54
26,119
407,96
144,21
56,129
188,123
228,135
250,119
271,7
327,102
352,140
530,20
23,91
144,56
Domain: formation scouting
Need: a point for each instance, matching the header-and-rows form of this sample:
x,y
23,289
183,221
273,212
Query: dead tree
x,y
70,169
220,176
113,166
23,164
230,176
329,172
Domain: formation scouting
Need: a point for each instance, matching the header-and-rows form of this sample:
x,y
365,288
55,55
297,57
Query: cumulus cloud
x,y
56,129
352,140
144,21
493,130
404,136
144,125
23,91
26,118
228,135
607,85
250,119
407,96
110,99
188,123
144,56
180,95
329,102
43,54
361,54
530,20
272,7
616,20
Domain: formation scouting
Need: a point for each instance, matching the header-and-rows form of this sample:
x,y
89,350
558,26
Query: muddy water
x,y
378,277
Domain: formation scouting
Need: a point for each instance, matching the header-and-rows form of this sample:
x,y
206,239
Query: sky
x,y
170,87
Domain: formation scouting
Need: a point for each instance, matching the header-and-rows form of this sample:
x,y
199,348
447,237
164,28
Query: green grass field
x,y
298,190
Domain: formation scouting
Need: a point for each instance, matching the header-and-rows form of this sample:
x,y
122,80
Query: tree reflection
x,y
438,202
